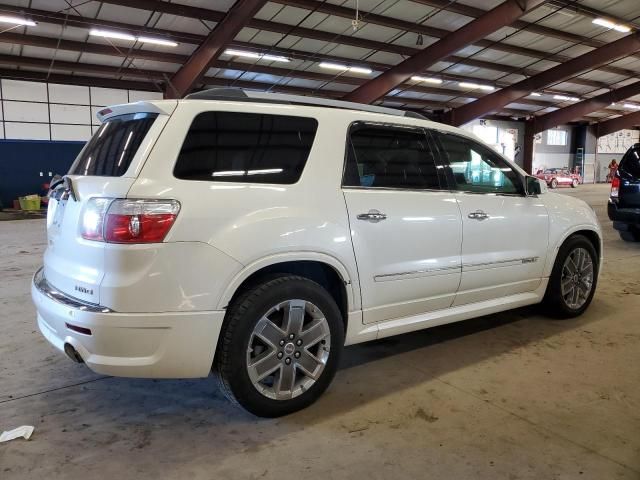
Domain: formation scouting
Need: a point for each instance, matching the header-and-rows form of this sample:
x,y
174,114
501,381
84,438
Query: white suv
x,y
258,234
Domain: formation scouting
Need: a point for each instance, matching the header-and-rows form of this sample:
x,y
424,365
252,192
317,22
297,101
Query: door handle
x,y
478,215
373,216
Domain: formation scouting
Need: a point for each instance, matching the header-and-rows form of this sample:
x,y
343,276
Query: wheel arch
x,y
588,231
322,269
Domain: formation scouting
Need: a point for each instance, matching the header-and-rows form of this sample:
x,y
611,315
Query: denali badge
x,y
84,290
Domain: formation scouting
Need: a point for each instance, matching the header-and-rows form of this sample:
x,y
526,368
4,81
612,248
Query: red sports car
x,y
556,177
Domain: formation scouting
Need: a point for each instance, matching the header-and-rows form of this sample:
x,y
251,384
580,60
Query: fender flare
x,y
350,281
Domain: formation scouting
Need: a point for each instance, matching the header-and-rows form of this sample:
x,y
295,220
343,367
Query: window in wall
x,y
476,168
246,147
487,133
391,157
557,137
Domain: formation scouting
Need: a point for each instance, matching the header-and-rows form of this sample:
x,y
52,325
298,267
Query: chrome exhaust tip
x,y
72,353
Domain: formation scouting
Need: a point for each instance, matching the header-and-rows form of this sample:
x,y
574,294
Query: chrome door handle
x,y
373,216
478,215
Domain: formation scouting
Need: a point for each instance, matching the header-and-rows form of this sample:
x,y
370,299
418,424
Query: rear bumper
x,y
623,217
149,345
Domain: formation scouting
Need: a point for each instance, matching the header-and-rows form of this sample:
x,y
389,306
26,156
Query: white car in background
x,y
258,234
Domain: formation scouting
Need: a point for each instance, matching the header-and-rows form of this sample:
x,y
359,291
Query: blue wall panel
x,y
22,162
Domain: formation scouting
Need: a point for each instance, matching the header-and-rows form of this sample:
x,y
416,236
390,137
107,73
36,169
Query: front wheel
x,y
554,183
280,346
573,280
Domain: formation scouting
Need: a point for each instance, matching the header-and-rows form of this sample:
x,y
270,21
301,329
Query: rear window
x,y
631,162
113,146
246,147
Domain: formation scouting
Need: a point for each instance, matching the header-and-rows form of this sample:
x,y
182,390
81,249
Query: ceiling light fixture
x,y
535,94
109,34
17,21
158,41
437,81
257,56
475,86
603,22
565,98
345,68
631,106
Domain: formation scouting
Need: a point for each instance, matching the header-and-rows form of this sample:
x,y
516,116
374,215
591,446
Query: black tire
x,y
630,236
241,319
574,184
554,183
553,301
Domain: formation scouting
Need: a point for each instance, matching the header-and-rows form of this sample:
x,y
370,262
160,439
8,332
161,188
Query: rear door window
x,y
246,147
630,163
381,156
112,148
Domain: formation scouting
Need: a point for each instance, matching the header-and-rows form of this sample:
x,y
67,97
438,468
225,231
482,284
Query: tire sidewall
x,y
248,314
554,183
557,303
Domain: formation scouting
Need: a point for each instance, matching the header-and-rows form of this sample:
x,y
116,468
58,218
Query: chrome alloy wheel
x,y
576,280
288,349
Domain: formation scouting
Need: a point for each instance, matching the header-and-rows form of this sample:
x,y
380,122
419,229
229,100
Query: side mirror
x,y
533,185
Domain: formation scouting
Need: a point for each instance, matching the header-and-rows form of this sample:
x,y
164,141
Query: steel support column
x,y
527,151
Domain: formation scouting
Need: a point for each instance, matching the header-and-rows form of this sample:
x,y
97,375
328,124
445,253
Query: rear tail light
x,y
615,187
128,220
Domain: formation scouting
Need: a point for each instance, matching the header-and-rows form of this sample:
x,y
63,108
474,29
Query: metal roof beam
x,y
491,21
403,25
187,11
224,32
158,78
578,110
493,101
629,120
474,12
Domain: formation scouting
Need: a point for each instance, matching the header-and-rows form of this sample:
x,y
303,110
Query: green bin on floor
x,y
30,202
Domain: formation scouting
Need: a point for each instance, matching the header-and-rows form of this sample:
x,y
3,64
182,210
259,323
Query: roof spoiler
x,y
161,107
241,95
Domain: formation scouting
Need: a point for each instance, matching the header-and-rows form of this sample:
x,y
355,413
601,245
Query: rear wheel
x,y
575,182
630,236
554,183
280,346
573,280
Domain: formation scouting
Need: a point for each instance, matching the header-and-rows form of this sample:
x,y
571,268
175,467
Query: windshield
x,y
113,146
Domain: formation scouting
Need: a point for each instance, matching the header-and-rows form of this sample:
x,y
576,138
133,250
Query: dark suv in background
x,y
624,201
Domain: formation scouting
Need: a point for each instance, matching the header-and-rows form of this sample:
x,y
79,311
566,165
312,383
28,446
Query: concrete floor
x,y
514,396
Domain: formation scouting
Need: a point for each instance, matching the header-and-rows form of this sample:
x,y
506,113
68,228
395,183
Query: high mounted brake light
x,y
128,220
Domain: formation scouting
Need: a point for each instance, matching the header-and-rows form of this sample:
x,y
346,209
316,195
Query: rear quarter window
x,y
246,147
112,148
630,163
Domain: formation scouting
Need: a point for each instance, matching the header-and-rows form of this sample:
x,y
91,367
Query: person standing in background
x,y
613,166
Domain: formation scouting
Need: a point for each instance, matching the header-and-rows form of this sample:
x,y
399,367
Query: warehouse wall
x,y
47,111
43,126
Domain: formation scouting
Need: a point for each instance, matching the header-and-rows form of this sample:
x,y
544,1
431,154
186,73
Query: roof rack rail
x,y
242,95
